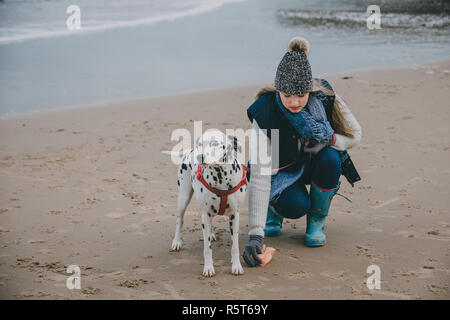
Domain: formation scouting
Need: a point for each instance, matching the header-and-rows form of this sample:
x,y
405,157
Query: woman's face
x,y
294,102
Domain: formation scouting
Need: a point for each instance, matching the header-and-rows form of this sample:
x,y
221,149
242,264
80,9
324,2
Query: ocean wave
x,y
351,19
28,32
413,7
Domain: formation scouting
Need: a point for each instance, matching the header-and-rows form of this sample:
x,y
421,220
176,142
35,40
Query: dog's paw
x,y
208,270
237,269
176,245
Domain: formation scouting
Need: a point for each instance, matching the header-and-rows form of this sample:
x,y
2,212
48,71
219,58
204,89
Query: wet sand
x,y
89,187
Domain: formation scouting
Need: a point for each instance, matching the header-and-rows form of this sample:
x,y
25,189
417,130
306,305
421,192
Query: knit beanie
x,y
294,71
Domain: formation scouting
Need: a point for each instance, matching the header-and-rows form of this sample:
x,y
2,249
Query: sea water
x,y
131,49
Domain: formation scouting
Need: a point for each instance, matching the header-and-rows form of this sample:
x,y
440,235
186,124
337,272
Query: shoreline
x,y
89,187
106,103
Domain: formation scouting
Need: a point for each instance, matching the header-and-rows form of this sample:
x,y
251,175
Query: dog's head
x,y
215,148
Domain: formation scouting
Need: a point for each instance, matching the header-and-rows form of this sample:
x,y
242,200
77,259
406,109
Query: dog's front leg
x,y
208,269
236,267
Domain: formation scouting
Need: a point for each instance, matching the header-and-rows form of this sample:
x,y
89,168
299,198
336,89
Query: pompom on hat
x,y
294,74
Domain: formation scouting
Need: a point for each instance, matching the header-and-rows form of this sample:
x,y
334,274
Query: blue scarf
x,y
311,122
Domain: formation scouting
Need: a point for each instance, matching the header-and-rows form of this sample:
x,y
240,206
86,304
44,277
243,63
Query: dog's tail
x,y
175,153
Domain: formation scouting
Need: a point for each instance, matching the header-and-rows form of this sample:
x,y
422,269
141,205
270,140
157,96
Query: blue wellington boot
x,y
320,204
273,223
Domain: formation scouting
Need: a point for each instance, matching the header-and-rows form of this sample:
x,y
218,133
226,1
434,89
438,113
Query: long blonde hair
x,y
338,122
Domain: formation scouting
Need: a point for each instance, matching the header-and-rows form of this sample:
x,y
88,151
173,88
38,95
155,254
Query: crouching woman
x,y
312,126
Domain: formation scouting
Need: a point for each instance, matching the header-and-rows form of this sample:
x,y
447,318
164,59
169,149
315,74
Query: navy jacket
x,y
269,116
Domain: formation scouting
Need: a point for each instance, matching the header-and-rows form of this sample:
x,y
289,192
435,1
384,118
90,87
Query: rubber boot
x,y
320,205
273,223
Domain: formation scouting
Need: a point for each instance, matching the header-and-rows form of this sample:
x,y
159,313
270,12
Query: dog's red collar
x,y
222,193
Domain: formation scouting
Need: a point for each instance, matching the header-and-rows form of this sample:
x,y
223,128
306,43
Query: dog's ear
x,y
235,143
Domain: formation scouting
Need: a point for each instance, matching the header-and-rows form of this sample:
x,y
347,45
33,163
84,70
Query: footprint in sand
x,y
91,291
437,289
422,273
64,230
34,241
298,275
133,283
56,212
3,229
45,251
91,201
29,294
369,252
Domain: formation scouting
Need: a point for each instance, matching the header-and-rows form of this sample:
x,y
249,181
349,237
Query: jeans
x,y
324,170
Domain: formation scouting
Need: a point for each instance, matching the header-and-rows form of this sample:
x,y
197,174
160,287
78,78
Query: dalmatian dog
x,y
218,180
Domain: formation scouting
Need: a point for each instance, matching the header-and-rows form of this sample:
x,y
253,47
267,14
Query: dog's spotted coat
x,y
224,176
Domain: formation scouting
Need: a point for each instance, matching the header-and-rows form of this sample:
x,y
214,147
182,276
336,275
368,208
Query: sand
x,y
89,187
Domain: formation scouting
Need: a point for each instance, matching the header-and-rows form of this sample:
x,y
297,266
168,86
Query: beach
x,y
89,187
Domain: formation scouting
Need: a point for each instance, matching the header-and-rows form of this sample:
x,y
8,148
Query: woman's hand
x,y
319,146
253,248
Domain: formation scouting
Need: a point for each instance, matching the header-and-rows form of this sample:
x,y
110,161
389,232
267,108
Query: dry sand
x,y
89,187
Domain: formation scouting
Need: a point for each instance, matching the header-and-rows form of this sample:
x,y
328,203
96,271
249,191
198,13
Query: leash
x,y
222,193
337,193
284,167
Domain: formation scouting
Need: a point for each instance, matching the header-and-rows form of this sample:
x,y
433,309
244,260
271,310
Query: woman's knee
x,y
327,168
328,157
293,203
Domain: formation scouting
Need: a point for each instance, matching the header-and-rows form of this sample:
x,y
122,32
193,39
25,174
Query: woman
x,y
313,126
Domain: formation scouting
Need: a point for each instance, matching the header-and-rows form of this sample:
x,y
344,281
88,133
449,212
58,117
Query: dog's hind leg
x,y
212,235
185,192
236,267
208,268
